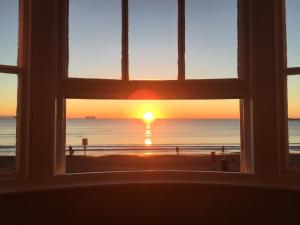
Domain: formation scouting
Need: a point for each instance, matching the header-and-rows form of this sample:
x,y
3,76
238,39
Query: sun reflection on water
x,y
148,135
148,118
148,132
148,141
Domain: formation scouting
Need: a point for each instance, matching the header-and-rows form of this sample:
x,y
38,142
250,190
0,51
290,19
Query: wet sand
x,y
79,164
82,164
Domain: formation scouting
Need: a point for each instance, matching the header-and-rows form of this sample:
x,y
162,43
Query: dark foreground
x,y
7,162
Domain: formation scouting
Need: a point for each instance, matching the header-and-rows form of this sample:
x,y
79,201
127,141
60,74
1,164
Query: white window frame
x,y
286,168
44,86
21,166
232,88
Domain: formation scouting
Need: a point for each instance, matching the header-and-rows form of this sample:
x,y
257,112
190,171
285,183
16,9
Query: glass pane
x,y
122,135
293,32
9,19
95,29
294,119
8,106
153,39
211,39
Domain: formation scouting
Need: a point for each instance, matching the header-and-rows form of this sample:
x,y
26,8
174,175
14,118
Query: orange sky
x,y
160,108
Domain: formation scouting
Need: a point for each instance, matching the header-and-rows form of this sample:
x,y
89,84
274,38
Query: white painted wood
x,y
261,86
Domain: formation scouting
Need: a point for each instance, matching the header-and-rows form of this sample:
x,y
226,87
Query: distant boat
x,y
90,117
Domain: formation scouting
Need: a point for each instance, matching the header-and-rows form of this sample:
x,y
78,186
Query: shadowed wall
x,y
152,204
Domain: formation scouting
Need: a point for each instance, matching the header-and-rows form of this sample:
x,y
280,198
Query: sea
x,y
134,136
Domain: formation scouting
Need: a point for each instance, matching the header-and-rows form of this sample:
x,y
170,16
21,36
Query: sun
x,y
148,116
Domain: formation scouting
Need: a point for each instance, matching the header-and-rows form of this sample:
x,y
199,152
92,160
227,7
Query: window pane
x,y
8,106
294,119
211,39
9,18
95,29
153,39
293,32
124,135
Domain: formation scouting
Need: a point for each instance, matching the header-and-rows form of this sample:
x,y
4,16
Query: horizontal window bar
x,y
9,69
293,71
189,89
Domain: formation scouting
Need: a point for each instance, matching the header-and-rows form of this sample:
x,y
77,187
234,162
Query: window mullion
x,y
9,69
125,71
181,39
293,71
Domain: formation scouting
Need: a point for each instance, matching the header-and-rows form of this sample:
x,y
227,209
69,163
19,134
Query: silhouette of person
x,y
177,150
223,151
232,162
213,160
224,162
71,151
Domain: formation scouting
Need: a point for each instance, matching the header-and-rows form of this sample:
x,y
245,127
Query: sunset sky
x,y
161,109
95,33
95,52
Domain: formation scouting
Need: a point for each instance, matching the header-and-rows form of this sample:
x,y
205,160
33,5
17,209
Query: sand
x,y
79,164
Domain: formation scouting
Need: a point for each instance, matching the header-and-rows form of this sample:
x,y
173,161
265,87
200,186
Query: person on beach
x,y
232,162
71,151
177,150
223,151
224,163
213,160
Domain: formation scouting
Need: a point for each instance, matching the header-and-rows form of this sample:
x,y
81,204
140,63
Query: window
x,y
129,135
8,83
8,101
211,41
159,40
95,39
9,32
153,42
66,65
293,81
14,91
152,39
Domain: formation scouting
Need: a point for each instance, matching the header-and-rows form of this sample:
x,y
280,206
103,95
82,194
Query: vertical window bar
x,y
244,39
181,40
284,35
125,73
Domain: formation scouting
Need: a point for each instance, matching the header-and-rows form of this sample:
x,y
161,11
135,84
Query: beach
x,y
201,162
84,164
79,164
128,144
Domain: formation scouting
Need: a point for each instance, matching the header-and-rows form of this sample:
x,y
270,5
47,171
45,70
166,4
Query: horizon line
x,y
137,118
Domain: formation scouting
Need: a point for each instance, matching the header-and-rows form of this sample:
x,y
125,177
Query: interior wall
x,y
152,204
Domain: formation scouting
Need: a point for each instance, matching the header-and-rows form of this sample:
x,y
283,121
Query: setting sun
x,y
148,116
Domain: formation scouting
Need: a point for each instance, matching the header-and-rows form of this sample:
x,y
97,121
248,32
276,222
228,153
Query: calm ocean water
x,y
134,136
